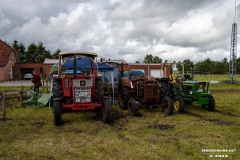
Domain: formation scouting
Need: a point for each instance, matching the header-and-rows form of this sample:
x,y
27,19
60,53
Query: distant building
x,y
8,58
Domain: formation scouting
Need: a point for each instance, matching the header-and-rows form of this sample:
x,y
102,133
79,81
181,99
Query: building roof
x,y
118,61
50,61
5,52
55,61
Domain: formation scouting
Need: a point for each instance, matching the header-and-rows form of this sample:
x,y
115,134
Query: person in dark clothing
x,y
36,81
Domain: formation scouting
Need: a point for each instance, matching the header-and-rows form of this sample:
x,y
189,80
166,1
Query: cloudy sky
x,y
174,30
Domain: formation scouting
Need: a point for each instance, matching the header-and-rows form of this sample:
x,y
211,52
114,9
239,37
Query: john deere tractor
x,y
188,90
78,86
197,91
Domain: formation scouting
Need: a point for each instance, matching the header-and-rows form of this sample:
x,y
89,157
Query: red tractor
x,y
136,90
78,86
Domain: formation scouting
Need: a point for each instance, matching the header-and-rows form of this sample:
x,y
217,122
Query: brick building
x,y
23,70
8,58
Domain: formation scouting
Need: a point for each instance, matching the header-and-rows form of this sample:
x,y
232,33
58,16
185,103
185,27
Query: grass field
x,y
214,77
30,134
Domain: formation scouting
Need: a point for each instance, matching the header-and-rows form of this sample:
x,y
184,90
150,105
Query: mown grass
x,y
215,77
30,134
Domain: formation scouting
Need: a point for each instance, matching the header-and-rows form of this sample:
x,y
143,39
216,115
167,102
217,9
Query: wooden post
x,y
46,85
43,85
3,105
21,95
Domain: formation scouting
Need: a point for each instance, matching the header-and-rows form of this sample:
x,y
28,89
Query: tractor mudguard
x,y
126,82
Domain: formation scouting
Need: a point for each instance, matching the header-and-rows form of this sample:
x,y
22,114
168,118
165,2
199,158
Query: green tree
x,y
37,53
55,54
187,65
31,55
204,66
149,58
219,68
238,65
20,49
156,59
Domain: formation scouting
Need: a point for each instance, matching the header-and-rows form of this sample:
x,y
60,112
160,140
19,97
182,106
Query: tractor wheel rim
x,y
176,105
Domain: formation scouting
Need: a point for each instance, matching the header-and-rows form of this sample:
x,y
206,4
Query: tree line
x,y
37,53
201,67
33,53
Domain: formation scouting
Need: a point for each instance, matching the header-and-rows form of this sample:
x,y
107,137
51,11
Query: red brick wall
x,y
19,66
145,67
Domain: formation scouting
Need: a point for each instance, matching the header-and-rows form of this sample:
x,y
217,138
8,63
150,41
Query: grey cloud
x,y
123,29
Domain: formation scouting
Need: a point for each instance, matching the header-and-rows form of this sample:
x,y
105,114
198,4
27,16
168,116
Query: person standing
x,y
36,81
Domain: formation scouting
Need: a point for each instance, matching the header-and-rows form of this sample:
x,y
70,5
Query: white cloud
x,y
172,30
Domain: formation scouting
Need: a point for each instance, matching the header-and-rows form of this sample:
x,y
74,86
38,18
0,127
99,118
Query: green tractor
x,y
196,91
190,90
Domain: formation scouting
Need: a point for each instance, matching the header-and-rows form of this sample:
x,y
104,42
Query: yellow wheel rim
x,y
176,105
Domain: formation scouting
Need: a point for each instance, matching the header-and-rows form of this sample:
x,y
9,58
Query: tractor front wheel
x,y
57,110
178,104
57,88
99,90
124,95
133,108
167,105
211,104
107,111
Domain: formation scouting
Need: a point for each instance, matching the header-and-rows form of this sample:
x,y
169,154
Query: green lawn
x,y
30,134
215,77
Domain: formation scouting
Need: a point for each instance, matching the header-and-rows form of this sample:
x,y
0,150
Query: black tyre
x,y
107,111
57,110
211,104
124,95
178,104
57,88
99,90
167,105
133,108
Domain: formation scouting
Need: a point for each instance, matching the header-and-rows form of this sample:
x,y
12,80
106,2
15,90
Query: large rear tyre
x,y
57,110
133,108
99,90
124,95
107,111
178,104
57,88
167,105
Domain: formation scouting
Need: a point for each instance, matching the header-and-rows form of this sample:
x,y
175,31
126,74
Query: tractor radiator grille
x,y
82,83
150,91
83,94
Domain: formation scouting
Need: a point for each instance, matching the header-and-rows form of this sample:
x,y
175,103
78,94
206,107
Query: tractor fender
x,y
126,82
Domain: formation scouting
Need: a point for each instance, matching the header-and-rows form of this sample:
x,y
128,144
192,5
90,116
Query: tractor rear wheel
x,y
107,111
133,108
99,90
57,110
124,95
178,104
167,105
57,88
